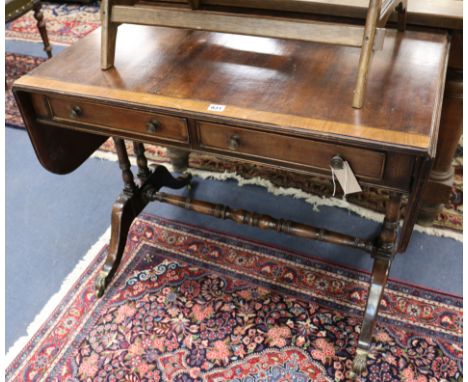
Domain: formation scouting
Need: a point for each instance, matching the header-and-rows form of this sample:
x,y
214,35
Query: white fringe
x,y
314,200
53,302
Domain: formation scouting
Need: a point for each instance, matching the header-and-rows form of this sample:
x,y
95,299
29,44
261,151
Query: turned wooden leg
x,y
178,158
385,249
124,164
438,189
129,204
366,52
108,36
142,162
39,16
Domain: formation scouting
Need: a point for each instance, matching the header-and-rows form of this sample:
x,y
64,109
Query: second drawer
x,y
300,151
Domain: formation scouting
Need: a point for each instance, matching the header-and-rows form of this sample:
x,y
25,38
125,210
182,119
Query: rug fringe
x,y
314,200
50,306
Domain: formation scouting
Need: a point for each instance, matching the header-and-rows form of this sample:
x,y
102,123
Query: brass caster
x,y
359,363
100,285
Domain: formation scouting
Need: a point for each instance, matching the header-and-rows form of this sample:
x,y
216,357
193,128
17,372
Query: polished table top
x,y
306,87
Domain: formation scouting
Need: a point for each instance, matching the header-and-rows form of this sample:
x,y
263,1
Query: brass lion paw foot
x,y
101,284
359,363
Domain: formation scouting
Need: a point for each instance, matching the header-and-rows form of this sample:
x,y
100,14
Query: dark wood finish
x,y
440,14
315,154
385,249
124,164
125,209
264,222
438,189
59,150
41,26
142,162
414,202
369,38
274,102
306,94
113,118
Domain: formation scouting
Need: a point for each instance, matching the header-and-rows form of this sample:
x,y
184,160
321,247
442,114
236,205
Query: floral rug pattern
x,y
194,305
65,23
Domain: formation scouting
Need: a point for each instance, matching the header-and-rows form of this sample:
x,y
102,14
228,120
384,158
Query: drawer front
x,y
365,163
150,124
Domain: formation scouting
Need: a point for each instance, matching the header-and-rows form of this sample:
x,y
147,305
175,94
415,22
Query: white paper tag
x,y
346,178
218,108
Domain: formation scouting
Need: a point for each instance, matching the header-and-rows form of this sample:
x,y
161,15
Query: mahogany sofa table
x,y
276,102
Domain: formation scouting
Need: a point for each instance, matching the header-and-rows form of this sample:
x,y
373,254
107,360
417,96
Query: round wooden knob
x,y
234,142
152,126
76,111
336,162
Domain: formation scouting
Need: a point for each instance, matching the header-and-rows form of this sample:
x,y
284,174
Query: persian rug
x,y
68,23
194,305
16,65
65,23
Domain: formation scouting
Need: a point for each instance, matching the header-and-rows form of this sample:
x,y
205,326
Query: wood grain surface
x,y
285,84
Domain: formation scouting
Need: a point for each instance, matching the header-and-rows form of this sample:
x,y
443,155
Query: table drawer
x,y
299,151
160,126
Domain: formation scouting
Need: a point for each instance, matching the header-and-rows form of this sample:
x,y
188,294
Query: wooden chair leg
x,y
383,255
373,15
39,16
108,36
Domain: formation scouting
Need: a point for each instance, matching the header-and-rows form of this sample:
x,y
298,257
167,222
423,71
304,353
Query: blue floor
x,y
52,220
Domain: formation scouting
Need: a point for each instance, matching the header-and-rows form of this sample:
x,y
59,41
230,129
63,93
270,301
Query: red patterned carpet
x,y
194,305
65,23
15,66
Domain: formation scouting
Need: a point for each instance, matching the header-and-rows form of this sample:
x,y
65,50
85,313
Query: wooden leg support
x,y
39,16
385,249
142,163
129,204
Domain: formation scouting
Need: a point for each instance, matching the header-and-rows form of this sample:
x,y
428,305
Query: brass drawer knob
x,y
76,111
234,142
153,125
336,162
